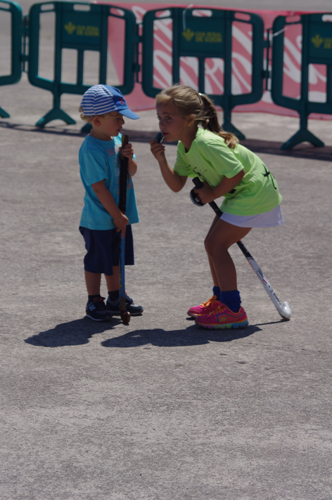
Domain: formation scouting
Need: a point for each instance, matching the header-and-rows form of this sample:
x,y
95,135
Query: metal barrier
x,y
316,49
82,27
203,37
16,39
200,33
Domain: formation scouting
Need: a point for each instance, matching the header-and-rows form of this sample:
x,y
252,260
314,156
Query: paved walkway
x,y
158,409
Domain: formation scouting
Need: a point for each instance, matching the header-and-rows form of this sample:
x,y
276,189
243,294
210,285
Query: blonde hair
x,y
188,101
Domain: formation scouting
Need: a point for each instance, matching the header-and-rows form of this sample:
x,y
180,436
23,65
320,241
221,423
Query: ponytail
x,y
209,120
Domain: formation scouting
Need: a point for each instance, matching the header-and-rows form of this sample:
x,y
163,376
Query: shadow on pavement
x,y
75,332
189,337
304,150
79,331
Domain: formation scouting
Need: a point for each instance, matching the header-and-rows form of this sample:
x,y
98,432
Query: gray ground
x,y
159,409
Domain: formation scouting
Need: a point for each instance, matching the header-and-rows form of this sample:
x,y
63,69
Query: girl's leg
x,y
213,273
217,243
211,304
221,236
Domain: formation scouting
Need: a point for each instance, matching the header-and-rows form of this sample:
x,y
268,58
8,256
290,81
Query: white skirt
x,y
267,219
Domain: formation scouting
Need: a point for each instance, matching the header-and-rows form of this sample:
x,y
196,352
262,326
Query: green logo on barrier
x,y
70,28
327,43
188,34
320,42
81,30
202,36
317,40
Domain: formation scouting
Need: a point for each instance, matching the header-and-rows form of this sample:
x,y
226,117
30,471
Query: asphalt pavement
x,y
160,409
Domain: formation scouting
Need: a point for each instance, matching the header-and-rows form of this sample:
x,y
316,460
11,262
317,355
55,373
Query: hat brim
x,y
128,114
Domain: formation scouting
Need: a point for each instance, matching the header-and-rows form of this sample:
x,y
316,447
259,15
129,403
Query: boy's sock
x,y
216,291
113,296
91,297
231,299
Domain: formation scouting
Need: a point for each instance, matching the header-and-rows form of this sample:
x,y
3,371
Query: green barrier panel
x,y
81,29
206,37
16,39
316,48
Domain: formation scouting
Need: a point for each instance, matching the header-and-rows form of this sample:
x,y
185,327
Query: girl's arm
x,y
207,194
173,180
107,200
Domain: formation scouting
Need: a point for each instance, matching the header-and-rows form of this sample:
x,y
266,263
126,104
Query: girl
x,y
251,196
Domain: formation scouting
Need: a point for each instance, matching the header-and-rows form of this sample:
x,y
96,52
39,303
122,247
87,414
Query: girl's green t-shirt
x,y
210,159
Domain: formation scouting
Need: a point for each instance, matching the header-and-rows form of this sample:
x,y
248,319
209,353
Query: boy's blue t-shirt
x,y
100,160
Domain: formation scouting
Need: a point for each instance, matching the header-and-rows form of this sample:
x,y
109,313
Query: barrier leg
x,y
4,114
229,127
302,136
55,114
86,128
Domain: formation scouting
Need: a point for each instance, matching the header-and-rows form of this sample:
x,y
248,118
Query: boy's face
x,y
107,126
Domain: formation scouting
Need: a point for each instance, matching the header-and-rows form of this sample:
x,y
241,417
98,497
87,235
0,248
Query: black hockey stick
x,y
125,315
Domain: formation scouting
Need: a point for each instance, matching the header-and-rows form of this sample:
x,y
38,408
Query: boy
x,y
102,223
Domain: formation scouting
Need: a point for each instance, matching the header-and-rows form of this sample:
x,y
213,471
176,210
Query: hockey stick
x,y
125,315
283,309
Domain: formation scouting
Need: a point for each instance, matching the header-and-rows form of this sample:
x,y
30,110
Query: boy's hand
x,y
121,222
158,150
127,151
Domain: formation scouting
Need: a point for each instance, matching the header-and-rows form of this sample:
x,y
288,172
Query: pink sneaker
x,y
207,307
223,318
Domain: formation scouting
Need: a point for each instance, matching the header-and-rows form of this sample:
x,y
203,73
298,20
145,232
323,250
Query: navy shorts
x,y
103,249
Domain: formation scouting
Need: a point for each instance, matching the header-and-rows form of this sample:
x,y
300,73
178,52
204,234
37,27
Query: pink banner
x,y
241,61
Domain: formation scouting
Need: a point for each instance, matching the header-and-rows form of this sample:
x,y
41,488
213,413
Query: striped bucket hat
x,y
101,99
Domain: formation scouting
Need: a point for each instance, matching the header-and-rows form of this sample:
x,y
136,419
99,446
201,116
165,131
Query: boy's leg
x,y
113,301
113,282
95,308
92,281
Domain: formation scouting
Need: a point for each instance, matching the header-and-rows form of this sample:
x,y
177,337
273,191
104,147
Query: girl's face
x,y
173,126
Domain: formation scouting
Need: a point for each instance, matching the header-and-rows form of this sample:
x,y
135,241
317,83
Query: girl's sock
x,y
231,299
216,291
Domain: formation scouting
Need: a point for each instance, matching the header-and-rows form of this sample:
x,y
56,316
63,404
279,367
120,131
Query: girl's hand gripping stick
x,y
194,196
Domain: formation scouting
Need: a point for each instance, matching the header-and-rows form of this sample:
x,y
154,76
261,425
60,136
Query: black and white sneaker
x,y
133,309
97,311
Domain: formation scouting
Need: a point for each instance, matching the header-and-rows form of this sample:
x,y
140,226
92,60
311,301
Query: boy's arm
x,y
132,167
107,200
128,152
